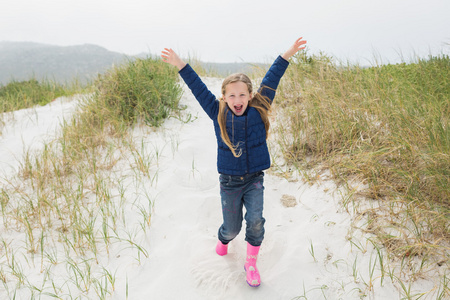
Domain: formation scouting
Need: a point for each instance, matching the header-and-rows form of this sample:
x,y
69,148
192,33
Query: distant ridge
x,y
25,60
21,61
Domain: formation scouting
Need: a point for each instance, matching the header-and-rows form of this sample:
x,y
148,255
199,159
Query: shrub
x,y
143,89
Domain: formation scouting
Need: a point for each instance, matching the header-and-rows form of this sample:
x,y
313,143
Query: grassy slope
x,y
386,127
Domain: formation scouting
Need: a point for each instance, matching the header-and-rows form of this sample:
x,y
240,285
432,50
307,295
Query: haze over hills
x,y
21,61
26,60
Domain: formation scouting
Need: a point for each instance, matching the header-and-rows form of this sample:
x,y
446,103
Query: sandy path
x,y
306,251
187,215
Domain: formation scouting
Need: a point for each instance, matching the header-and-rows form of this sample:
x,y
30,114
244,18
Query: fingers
x,y
169,56
166,54
167,50
297,46
299,42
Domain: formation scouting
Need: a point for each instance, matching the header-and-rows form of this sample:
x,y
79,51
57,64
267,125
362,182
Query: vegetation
x,y
143,89
384,132
69,202
23,94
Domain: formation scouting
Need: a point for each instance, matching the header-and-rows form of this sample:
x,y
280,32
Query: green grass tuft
x,y
143,89
24,94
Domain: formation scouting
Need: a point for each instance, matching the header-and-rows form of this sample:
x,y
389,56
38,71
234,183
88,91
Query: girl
x,y
241,125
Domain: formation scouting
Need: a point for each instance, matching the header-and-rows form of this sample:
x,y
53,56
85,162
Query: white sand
x,y
181,262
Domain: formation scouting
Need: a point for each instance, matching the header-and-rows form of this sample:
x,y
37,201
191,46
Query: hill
x,y
25,60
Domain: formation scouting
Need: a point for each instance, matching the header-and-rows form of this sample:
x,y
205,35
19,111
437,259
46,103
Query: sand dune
x,y
306,254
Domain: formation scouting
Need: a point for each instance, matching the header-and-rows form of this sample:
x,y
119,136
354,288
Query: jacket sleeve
x,y
207,100
272,78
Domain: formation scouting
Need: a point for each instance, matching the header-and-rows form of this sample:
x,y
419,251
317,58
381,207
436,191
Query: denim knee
x,y
255,231
228,234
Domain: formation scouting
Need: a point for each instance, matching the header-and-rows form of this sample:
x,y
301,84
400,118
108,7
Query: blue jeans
x,y
236,192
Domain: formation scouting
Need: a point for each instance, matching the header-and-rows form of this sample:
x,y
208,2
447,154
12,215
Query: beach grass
x,y
68,204
142,90
383,133
18,95
24,94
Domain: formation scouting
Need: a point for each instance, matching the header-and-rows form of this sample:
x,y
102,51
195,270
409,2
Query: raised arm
x,y
297,46
169,56
204,96
273,76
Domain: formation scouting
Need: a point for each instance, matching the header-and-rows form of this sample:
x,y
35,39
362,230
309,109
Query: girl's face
x,y
237,97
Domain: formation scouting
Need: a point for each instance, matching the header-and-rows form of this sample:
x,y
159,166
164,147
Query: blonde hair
x,y
259,102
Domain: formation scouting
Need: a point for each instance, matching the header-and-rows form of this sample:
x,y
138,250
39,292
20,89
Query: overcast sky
x,y
237,30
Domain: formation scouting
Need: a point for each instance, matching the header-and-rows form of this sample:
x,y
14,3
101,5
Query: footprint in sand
x,y
288,200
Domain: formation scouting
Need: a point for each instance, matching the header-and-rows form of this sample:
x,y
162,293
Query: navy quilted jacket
x,y
246,131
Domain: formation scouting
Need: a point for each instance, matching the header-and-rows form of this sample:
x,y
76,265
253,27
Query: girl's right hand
x,y
169,56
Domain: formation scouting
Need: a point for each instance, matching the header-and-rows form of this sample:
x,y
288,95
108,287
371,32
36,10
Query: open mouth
x,y
238,108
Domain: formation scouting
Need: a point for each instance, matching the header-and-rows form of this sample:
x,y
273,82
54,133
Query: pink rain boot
x,y
221,249
253,278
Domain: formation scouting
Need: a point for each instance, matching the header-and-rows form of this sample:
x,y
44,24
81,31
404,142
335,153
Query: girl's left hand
x,y
297,46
